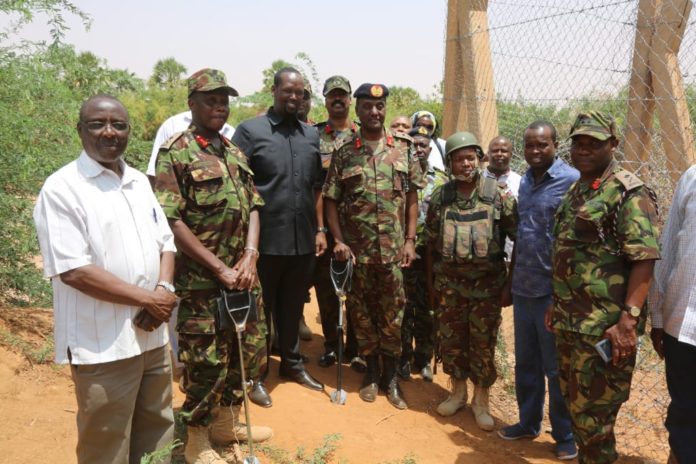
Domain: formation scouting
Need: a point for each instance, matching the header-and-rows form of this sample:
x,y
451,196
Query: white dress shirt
x,y
177,123
85,215
672,297
435,158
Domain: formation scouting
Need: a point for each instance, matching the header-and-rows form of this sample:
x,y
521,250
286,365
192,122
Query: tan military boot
x,y
198,449
226,427
456,400
479,406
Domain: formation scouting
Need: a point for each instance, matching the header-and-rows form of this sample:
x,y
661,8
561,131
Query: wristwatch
x,y
166,285
633,311
322,229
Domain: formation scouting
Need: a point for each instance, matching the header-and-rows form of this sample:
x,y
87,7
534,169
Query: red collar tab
x,y
390,140
358,142
202,141
595,185
327,128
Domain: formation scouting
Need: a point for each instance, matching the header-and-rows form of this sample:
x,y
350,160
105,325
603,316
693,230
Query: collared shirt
x,y
370,185
536,206
330,139
510,180
284,156
175,124
672,298
86,215
600,229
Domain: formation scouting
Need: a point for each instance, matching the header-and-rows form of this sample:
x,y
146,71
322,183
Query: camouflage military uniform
x,y
599,230
370,190
330,140
213,193
417,324
469,273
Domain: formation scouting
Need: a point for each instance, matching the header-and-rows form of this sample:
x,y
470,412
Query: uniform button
x,y
294,155
297,173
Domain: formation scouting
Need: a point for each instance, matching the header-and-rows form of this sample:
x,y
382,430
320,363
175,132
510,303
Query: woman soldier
x,y
467,222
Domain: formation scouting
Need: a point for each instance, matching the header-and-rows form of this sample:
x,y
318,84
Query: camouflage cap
x,y
208,79
336,82
600,126
368,90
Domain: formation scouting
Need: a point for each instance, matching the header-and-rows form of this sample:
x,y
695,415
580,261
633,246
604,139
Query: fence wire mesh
x,y
554,58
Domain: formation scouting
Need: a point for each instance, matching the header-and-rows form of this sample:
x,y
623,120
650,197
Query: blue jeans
x,y
680,358
535,358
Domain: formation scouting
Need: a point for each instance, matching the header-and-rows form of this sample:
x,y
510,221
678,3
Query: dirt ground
x,y
37,407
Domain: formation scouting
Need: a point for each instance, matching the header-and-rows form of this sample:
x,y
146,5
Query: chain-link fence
x,y
635,59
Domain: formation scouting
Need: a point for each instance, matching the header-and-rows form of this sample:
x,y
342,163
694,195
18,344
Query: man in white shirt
x,y
109,252
499,156
177,123
672,303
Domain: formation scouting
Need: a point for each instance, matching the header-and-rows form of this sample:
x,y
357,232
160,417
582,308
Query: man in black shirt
x,y
284,155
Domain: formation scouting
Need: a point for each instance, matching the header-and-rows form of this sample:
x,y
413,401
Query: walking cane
x,y
341,283
239,316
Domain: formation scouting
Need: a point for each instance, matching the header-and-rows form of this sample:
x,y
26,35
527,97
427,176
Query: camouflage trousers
x,y
211,360
329,307
376,306
469,315
417,324
594,392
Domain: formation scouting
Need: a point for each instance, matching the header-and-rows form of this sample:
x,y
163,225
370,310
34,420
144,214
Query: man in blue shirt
x,y
541,189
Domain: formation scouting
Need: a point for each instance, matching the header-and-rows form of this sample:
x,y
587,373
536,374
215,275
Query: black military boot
x,y
369,388
389,383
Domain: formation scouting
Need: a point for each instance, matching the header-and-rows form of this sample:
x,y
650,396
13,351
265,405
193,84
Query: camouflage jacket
x,y
434,178
370,189
504,225
213,194
330,140
600,229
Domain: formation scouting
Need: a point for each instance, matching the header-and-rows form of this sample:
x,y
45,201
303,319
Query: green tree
x,y
26,10
167,73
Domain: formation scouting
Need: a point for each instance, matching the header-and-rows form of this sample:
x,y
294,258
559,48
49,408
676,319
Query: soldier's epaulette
x,y
344,142
166,146
629,180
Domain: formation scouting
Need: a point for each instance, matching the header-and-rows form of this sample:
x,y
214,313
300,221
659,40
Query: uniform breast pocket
x,y
352,183
208,186
589,220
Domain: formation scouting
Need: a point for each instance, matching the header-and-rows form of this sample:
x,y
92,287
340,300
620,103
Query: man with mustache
x,y
332,134
373,181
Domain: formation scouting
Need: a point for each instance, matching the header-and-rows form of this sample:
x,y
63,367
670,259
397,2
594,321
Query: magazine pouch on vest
x,y
468,227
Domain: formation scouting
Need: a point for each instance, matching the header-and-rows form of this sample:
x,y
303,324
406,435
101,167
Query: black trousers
x,y
680,360
285,281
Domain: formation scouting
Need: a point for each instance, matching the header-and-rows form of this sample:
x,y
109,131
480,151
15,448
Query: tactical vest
x,y
469,229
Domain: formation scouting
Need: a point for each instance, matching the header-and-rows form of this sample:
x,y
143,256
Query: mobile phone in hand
x,y
603,347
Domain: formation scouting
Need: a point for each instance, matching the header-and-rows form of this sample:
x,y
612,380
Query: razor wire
x,y
552,59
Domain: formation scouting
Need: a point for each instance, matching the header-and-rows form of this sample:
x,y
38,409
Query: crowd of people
x,y
442,235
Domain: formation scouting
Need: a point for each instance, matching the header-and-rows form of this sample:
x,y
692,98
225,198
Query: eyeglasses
x,y
99,126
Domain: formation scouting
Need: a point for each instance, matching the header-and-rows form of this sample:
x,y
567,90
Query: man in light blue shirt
x,y
541,189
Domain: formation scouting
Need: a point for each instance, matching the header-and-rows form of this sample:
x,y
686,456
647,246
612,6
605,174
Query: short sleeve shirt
x,y
600,230
213,193
370,189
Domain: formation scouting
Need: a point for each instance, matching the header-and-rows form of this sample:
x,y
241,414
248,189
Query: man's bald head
x,y
499,155
95,99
